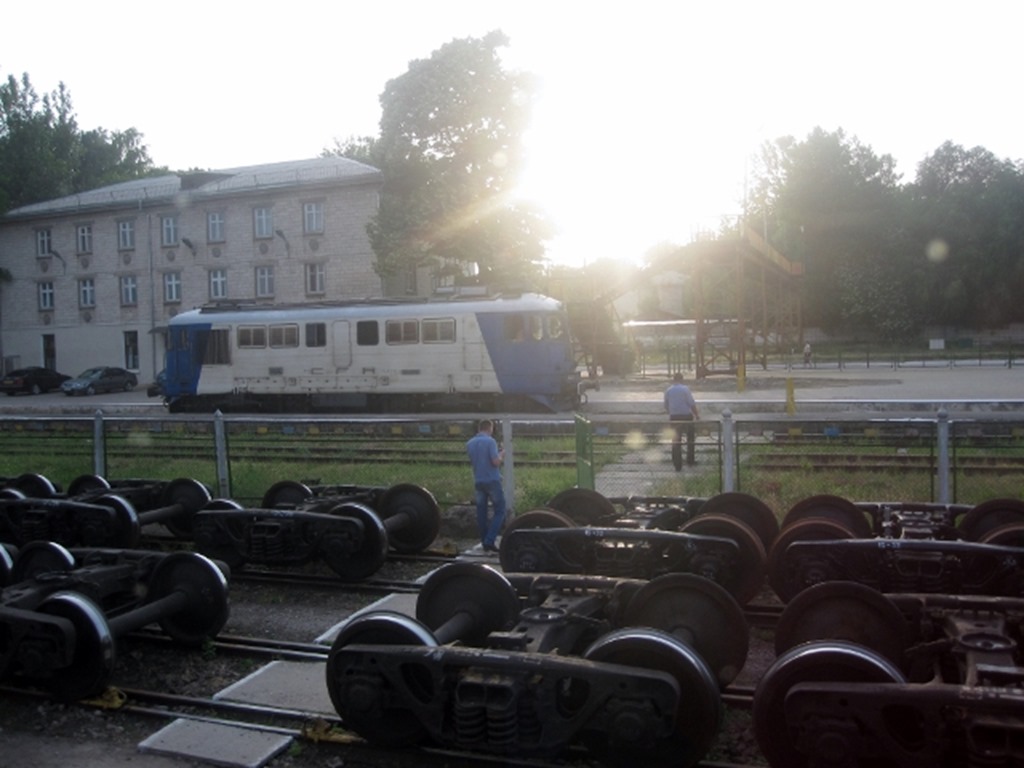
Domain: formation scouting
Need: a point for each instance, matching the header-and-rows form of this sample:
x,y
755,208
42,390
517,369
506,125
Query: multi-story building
x,y
95,276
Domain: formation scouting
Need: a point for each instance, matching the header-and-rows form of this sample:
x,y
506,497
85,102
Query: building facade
x,y
96,276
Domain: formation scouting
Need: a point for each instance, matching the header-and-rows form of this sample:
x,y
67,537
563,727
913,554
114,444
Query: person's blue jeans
x,y
490,491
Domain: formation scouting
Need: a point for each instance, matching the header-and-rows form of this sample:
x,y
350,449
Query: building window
x,y
218,284
316,278
129,291
313,218
83,238
43,242
45,293
215,227
265,282
262,223
131,350
126,235
172,287
168,231
87,292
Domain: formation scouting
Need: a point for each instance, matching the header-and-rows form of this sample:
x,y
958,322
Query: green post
x,y
584,453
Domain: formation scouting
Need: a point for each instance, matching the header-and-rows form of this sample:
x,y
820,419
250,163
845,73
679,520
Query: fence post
x,y
509,467
584,453
728,455
99,445
223,465
942,435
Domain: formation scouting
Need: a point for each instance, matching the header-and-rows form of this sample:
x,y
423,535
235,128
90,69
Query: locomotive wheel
x,y
287,494
356,694
192,496
39,557
832,508
514,558
208,535
371,548
477,596
9,493
35,486
746,579
785,584
747,509
990,515
93,658
701,614
698,716
84,484
206,589
1009,535
836,662
126,530
846,611
412,517
6,566
584,506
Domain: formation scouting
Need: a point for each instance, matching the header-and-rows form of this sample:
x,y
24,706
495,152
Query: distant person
x,y
807,354
486,457
682,412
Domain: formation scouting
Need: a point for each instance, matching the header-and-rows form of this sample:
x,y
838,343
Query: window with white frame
x,y
172,287
87,292
125,235
168,230
316,278
215,227
218,283
45,293
129,290
265,281
262,223
44,239
313,217
83,238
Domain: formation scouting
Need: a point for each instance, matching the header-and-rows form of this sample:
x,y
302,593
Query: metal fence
x,y
779,461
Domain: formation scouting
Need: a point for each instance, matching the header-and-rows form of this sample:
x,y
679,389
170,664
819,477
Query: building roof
x,y
198,185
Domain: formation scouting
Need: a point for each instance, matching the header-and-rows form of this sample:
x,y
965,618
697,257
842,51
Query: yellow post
x,y
790,397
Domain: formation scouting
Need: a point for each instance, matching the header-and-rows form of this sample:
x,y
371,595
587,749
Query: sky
x,y
649,116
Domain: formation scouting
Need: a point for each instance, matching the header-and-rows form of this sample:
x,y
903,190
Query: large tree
x,y
44,154
451,150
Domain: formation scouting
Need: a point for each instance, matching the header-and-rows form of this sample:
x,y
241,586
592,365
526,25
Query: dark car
x,y
33,380
157,387
101,379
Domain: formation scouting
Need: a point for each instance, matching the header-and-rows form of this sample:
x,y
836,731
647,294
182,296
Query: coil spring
x,y
267,543
470,723
530,730
36,527
612,560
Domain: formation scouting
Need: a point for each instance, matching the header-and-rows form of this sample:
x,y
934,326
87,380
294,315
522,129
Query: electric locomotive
x,y
374,355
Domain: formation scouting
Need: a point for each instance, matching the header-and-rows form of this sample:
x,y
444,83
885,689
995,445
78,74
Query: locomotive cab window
x,y
536,323
514,328
402,331
556,328
316,334
252,336
367,333
218,348
285,335
439,330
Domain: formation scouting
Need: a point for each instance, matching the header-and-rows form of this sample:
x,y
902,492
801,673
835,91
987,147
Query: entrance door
x,y
50,351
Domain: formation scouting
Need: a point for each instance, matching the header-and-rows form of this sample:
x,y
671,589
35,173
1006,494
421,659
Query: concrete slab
x,y
217,743
295,685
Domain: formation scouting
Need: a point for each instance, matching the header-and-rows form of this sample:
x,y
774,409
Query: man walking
x,y
682,412
485,457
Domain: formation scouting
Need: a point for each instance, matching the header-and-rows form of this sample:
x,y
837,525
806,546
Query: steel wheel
x,y
1009,535
698,715
221,538
787,578
847,611
359,691
834,508
466,602
190,494
411,515
370,549
990,515
584,506
747,509
126,530
515,557
84,484
39,557
6,567
745,578
812,662
93,659
698,612
287,494
35,486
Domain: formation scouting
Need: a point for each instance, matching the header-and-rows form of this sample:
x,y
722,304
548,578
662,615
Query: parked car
x,y
157,387
101,379
32,380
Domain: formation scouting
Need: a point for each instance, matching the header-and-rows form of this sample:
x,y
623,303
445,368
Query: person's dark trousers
x,y
683,423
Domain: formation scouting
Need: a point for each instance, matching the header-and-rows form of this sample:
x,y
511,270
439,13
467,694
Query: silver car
x,y
100,379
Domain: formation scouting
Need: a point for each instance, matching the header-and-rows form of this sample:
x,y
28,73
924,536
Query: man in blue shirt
x,y
682,411
485,457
